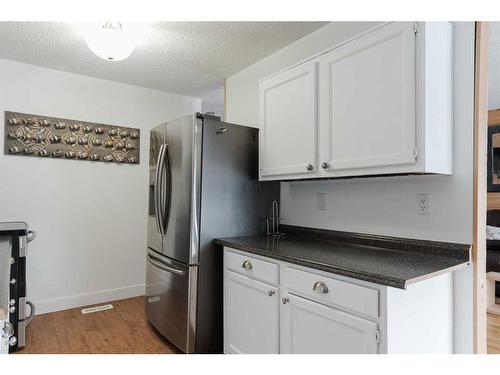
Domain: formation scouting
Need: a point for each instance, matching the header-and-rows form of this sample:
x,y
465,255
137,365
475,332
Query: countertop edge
x,y
437,273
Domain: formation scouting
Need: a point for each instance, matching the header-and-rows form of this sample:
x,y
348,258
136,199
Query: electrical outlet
x,y
320,202
423,204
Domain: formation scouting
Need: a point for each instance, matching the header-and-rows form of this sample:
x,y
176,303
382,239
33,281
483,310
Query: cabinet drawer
x,y
331,291
251,267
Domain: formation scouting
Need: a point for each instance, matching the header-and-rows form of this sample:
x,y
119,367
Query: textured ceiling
x,y
189,58
494,67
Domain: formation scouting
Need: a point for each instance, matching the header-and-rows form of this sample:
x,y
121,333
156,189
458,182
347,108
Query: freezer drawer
x,y
171,299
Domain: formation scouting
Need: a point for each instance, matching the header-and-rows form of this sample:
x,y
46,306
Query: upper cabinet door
x,y
288,122
368,101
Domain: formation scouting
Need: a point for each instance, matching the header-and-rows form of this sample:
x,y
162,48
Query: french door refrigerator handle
x,y
163,266
166,194
157,190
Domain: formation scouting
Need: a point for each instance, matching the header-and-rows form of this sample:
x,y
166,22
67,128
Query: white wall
x,y
384,205
213,101
90,217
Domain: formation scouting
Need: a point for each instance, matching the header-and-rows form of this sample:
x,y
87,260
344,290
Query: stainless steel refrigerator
x,y
203,184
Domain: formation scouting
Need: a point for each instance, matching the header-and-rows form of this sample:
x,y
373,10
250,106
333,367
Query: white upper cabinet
x,y
384,106
289,122
368,93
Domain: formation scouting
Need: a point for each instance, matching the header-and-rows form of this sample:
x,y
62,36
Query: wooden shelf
x,y
493,276
494,309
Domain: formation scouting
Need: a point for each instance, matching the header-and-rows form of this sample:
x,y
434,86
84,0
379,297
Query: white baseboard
x,y
69,302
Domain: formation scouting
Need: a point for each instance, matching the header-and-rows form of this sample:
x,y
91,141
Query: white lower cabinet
x,y
308,327
251,315
272,306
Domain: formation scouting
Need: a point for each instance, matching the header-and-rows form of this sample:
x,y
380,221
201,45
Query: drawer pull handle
x,y
284,300
247,265
320,287
271,293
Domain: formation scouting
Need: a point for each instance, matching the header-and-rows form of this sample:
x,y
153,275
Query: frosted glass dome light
x,y
109,40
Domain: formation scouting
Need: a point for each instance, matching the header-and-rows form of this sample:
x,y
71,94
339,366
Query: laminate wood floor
x,y
122,330
493,333
125,330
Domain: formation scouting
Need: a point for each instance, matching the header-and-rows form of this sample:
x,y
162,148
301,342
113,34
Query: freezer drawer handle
x,y
163,266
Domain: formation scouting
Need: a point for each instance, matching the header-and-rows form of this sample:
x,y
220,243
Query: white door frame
x,y
480,187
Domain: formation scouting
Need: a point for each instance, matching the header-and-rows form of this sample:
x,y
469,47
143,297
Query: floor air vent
x,y
94,309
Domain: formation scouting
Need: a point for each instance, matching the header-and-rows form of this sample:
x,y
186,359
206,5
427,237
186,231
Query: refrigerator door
x,y
157,139
181,189
171,300
233,204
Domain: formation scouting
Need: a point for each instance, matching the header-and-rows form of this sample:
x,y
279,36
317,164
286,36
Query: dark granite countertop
x,y
391,261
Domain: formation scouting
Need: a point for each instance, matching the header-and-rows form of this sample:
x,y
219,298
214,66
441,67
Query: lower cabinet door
x,y
312,328
251,315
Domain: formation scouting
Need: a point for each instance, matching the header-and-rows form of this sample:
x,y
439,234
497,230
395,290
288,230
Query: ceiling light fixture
x,y
110,40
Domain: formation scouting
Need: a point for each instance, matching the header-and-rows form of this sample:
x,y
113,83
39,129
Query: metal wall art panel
x,y
52,137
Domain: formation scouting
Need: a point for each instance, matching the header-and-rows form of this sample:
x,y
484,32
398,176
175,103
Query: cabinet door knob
x,y
247,265
325,165
310,167
284,300
271,293
320,287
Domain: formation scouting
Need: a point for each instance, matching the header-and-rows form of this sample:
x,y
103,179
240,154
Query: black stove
x,y
15,237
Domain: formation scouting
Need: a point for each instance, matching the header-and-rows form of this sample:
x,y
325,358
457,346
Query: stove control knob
x,y
12,302
12,309
8,329
13,341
